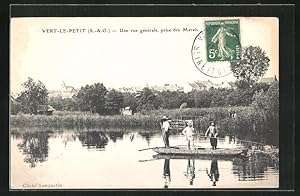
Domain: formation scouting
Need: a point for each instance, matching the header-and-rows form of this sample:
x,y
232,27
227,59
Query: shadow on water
x,y
93,139
34,145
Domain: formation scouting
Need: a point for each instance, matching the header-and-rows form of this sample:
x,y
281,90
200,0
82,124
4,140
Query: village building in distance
x,y
165,87
206,85
66,91
127,111
69,91
268,80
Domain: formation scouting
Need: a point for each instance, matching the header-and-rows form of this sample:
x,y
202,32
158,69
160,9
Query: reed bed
x,y
84,120
245,124
151,119
243,121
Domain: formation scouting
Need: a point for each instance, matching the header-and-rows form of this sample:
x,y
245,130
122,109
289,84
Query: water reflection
x,y
214,172
253,168
68,137
246,169
166,173
147,136
190,171
93,139
132,136
231,139
186,170
35,147
114,135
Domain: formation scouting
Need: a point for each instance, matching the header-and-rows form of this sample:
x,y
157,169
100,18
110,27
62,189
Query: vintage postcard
x,y
144,103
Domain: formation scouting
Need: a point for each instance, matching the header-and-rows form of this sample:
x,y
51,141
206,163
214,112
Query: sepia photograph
x,y
144,103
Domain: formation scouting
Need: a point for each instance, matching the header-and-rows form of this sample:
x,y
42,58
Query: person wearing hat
x,y
165,126
189,134
212,134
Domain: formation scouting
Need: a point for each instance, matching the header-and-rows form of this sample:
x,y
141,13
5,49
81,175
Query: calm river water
x,y
101,159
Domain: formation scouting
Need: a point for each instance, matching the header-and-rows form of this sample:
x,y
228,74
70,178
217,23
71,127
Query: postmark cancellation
x,y
216,46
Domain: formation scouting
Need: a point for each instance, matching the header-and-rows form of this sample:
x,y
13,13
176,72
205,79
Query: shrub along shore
x,y
245,123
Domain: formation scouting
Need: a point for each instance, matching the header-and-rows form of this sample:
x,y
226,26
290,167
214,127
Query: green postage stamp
x,y
223,40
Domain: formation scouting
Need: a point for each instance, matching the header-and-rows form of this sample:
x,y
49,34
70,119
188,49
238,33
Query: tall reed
x,y
244,123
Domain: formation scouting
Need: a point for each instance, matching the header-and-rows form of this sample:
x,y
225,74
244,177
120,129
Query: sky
x,y
121,59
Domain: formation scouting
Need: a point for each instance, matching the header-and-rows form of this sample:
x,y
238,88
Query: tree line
x,y
96,98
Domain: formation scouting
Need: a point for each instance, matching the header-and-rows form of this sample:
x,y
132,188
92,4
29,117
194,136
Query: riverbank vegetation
x,y
97,99
248,121
259,118
250,108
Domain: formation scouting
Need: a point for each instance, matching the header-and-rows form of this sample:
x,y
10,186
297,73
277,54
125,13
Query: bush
x,y
15,107
266,107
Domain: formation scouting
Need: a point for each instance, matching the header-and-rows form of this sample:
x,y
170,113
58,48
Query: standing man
x,y
165,126
212,134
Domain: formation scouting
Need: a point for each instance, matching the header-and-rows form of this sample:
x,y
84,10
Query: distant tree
x,y
273,102
253,64
171,99
233,98
33,96
218,97
202,99
57,102
190,99
15,107
268,102
261,86
147,100
242,84
92,98
183,106
131,100
245,96
266,105
70,104
113,102
63,104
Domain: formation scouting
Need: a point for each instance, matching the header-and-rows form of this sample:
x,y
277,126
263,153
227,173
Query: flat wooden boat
x,y
198,157
200,151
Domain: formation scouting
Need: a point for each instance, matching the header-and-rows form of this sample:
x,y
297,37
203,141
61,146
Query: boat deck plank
x,y
199,151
